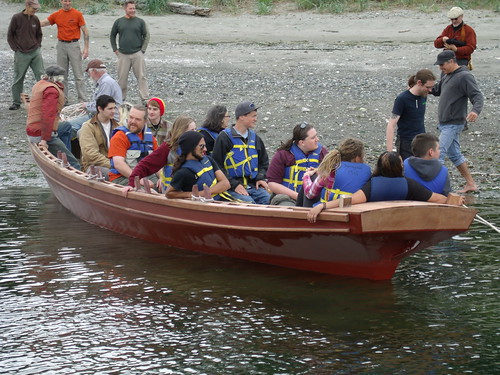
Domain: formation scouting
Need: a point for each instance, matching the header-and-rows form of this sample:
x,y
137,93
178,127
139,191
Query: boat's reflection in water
x,y
78,297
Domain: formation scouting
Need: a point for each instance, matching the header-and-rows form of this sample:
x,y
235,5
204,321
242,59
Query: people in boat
x,y
291,160
408,112
243,156
342,172
104,85
162,160
42,125
130,145
217,120
157,125
425,167
95,135
386,184
193,167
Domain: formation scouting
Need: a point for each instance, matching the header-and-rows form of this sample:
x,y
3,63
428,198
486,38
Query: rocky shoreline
x,y
340,73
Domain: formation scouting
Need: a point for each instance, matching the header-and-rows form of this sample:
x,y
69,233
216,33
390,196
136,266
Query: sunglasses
x,y
202,146
453,19
303,125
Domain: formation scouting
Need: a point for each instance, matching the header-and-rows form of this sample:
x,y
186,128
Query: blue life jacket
x,y
388,189
436,185
292,178
243,160
212,134
203,170
166,173
349,178
139,148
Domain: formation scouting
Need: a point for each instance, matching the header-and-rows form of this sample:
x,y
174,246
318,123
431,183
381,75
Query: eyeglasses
x,y
202,146
303,125
453,19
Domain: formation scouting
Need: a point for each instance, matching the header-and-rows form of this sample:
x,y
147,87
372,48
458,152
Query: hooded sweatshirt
x,y
428,170
455,89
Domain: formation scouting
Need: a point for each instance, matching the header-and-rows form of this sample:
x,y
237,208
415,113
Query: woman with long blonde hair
x,y
342,171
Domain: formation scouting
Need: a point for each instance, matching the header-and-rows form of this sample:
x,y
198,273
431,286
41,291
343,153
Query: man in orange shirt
x,y
69,23
130,145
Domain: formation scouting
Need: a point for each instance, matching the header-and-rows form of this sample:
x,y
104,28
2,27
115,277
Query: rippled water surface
x,y
77,299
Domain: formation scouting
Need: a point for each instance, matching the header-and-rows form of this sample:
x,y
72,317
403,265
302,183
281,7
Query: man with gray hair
x,y
456,87
458,37
104,85
47,100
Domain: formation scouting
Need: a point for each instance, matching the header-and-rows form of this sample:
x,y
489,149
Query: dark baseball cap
x,y
445,56
244,108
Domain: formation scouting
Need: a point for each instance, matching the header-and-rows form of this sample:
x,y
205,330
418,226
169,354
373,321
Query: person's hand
x,y
85,53
43,143
159,185
125,190
310,171
263,184
471,117
450,47
445,38
314,212
116,52
241,190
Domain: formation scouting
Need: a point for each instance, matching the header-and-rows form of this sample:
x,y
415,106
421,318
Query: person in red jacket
x,y
458,37
42,125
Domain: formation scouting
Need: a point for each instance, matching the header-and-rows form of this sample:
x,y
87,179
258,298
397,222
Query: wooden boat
x,y
366,240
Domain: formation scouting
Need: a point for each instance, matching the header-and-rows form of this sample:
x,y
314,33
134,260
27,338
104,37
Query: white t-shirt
x,y
107,129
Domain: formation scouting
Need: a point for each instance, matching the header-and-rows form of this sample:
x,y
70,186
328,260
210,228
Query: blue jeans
x,y
77,122
65,133
449,144
55,144
256,196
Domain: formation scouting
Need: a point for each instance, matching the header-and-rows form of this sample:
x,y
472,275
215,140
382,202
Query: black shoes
x,y
14,107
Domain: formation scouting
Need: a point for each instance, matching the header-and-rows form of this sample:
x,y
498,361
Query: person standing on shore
x,y
457,85
70,24
458,37
133,39
408,112
25,39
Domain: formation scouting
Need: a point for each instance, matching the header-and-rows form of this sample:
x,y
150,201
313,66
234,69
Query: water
x,y
77,299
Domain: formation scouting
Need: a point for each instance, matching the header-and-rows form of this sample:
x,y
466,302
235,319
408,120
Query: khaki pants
x,y
136,62
70,53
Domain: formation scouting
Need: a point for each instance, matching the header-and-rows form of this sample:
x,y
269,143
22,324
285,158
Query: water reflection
x,y
78,299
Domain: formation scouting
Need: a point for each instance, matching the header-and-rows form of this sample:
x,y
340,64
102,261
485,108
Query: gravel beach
x,y
338,72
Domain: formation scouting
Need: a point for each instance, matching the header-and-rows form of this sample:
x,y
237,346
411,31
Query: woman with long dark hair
x,y
216,121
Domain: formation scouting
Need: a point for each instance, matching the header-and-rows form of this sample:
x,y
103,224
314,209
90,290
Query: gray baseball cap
x,y
55,70
244,108
445,56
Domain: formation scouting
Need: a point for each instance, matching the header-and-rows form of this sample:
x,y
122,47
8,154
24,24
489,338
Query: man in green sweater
x,y
133,40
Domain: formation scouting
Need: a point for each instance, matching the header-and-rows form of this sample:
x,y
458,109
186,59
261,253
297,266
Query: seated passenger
x,y
386,184
341,172
193,167
162,160
425,166
289,163
130,145
104,85
216,121
243,156
157,125
95,135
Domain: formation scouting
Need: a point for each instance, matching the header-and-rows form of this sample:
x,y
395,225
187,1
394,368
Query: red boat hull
x,y
366,241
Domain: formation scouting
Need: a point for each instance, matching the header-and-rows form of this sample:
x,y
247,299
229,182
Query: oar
x,y
479,219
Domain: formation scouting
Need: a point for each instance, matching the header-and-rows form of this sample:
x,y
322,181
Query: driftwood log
x,y
189,9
